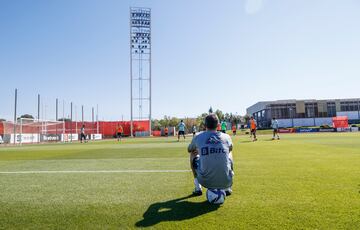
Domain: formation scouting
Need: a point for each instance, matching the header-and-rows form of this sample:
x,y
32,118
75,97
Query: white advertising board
x,y
25,138
354,129
350,129
96,136
69,137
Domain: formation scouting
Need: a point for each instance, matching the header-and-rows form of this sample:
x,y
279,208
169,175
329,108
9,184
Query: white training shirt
x,y
215,165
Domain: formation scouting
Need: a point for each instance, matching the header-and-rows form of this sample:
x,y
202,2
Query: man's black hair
x,y
211,121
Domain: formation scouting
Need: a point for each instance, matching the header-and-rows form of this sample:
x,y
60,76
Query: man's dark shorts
x,y
82,136
181,132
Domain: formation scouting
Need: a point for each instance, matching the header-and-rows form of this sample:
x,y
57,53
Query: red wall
x,y
107,128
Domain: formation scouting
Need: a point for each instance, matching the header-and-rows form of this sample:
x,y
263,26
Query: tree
x,y
173,122
189,123
237,119
64,119
227,117
165,121
210,110
246,119
219,114
27,116
155,124
200,121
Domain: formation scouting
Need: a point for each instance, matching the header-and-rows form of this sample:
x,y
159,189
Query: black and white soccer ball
x,y
216,196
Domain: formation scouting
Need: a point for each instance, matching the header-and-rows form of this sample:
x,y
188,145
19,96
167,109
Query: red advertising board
x,y
287,130
1,128
340,122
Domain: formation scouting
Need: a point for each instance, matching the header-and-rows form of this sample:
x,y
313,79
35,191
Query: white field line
x,y
104,159
94,171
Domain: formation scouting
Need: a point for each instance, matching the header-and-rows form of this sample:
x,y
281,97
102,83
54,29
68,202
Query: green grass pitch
x,y
303,181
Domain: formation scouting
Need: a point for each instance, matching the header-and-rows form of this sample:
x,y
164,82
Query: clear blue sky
x,y
228,54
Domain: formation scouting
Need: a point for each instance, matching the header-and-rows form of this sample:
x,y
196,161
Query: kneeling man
x,y
211,158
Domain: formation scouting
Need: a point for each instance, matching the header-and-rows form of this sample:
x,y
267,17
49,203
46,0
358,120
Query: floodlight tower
x,y
140,65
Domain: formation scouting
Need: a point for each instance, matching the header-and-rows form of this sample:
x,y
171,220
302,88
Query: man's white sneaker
x,y
197,192
228,191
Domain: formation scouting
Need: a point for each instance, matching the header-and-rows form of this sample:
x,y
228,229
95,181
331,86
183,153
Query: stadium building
x,y
293,113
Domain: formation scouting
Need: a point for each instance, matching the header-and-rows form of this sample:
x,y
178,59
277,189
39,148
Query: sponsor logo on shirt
x,y
210,150
213,140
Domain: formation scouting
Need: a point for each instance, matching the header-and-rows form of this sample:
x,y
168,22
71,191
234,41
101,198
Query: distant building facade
x,y
291,113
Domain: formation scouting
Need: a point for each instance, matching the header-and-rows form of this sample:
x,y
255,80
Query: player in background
x,y
119,132
275,127
253,127
166,130
181,128
223,126
82,134
218,127
194,130
233,128
211,158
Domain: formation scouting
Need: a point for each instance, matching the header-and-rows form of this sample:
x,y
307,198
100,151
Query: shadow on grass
x,y
174,210
248,141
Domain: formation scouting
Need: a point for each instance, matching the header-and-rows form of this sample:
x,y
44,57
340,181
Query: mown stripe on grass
x,y
95,171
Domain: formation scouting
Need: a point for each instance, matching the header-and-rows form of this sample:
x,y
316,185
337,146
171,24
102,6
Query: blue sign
x,y
307,130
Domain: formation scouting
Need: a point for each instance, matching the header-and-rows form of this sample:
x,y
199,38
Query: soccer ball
x,y
216,196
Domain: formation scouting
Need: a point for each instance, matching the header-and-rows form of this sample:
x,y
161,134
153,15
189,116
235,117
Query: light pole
x,y
71,118
314,113
38,118
292,117
15,120
97,119
56,116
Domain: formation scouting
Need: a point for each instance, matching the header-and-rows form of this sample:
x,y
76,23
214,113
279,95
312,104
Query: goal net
x,y
27,131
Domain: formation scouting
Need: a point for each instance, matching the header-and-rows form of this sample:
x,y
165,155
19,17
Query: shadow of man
x,y
174,210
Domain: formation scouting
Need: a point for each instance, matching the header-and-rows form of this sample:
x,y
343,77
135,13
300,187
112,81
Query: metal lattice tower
x,y
140,64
